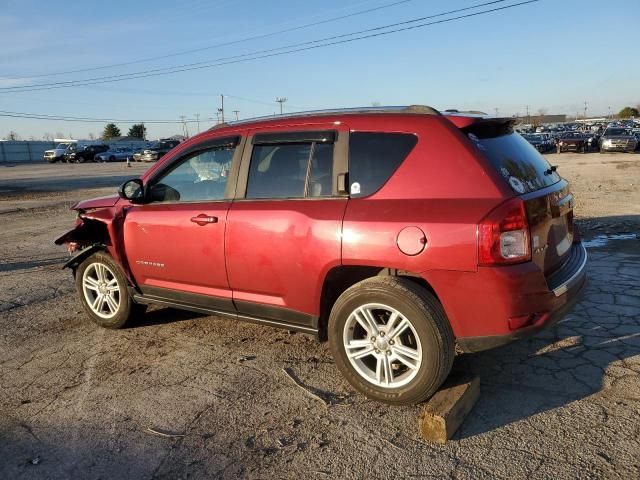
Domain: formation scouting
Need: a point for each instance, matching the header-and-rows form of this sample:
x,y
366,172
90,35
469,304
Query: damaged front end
x,y
98,227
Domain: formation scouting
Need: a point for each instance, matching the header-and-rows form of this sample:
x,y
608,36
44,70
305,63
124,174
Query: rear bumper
x,y
565,289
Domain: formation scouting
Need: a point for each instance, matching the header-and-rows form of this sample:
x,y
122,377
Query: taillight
x,y
503,235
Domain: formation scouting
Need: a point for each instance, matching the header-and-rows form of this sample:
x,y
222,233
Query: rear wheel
x,y
103,292
391,340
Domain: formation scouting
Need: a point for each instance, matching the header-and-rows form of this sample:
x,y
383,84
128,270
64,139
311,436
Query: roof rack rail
x,y
410,109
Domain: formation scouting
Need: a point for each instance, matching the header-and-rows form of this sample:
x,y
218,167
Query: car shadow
x,y
164,315
595,347
28,264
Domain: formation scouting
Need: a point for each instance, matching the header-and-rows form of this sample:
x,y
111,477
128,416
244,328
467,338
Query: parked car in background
x,y
593,139
118,154
137,155
618,139
158,150
84,153
540,141
399,234
571,142
57,154
636,133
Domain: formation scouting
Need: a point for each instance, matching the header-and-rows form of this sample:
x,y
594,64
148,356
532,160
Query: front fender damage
x,y
99,229
78,258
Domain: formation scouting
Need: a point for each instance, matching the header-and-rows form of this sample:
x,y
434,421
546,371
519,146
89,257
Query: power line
x,y
257,56
205,64
209,47
43,116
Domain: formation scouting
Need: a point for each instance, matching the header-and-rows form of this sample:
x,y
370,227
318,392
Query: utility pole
x,y
496,109
198,121
184,126
237,112
221,109
281,100
585,109
610,112
528,118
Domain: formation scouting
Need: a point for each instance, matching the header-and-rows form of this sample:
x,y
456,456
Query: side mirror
x,y
132,190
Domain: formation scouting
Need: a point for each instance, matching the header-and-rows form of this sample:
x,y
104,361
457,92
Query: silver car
x,y
618,139
119,154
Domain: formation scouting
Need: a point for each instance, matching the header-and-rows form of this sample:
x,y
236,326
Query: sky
x,y
551,54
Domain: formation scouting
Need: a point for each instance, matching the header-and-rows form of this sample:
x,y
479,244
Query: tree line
x,y
111,130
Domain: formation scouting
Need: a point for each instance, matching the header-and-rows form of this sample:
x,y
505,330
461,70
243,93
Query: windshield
x,y
616,131
63,146
522,167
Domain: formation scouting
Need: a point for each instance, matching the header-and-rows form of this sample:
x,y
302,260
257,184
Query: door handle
x,y
204,219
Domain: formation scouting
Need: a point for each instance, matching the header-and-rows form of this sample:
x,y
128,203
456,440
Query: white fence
x,y
23,151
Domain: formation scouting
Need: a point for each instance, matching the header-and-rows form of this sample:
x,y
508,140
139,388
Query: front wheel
x,y
103,292
391,340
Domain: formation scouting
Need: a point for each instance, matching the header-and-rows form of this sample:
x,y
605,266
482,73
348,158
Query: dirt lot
x,y
78,402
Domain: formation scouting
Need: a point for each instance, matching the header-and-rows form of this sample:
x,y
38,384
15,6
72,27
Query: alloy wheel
x,y
382,345
101,290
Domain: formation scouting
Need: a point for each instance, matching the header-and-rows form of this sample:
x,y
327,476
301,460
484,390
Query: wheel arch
x,y
340,278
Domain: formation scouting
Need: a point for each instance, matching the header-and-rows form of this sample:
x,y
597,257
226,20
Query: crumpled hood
x,y
99,202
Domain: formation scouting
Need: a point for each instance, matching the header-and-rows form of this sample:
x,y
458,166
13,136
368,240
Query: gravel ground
x,y
81,402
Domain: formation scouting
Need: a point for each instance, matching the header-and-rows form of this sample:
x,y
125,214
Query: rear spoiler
x,y
483,127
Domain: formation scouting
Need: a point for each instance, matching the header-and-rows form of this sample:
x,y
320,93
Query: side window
x,y
373,157
282,170
200,176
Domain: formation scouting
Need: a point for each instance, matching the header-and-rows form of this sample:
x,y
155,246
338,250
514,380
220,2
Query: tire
x,y
112,158
428,338
100,266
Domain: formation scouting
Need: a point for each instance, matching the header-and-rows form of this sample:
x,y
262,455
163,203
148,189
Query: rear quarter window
x,y
373,157
516,160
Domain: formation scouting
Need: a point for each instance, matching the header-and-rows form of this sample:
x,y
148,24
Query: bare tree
x,y
92,136
47,136
13,136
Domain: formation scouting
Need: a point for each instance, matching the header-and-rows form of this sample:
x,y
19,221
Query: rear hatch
x,y
548,200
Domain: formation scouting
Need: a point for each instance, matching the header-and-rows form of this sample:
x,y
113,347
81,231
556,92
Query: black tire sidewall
x,y
435,365
124,309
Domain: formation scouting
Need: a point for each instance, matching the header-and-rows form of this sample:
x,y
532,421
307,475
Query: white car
x,y
57,154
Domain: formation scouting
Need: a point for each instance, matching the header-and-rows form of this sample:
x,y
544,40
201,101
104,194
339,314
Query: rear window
x,y
373,157
519,163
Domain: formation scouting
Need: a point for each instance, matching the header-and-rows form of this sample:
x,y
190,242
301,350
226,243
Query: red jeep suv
x,y
397,233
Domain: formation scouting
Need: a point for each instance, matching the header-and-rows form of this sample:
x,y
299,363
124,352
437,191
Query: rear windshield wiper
x,y
550,170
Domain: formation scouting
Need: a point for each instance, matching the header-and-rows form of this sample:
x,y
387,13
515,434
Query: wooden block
x,y
443,414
